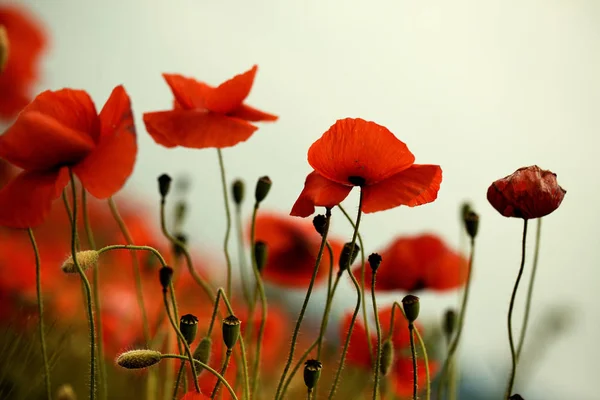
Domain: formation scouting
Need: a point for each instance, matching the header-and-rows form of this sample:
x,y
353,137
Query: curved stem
x,y
40,301
413,352
241,254
378,326
228,218
511,379
223,370
426,360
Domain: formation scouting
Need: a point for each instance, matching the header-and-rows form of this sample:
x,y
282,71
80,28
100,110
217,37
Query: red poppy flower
x,y
292,249
205,116
193,395
355,152
61,130
25,43
419,262
529,192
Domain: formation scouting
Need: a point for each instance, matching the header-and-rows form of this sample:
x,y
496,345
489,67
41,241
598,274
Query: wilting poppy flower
x,y
355,152
24,43
292,249
420,262
61,130
205,116
529,192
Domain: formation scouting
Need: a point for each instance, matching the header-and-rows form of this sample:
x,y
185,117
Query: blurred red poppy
x,y
61,130
194,396
355,152
422,262
529,192
205,116
25,43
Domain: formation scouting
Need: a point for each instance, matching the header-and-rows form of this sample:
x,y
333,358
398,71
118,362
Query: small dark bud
x,y
464,209
516,397
165,274
312,373
411,307
374,261
231,331
347,257
202,352
449,322
188,325
182,184
238,190
471,221
179,246
164,185
262,188
387,357
180,212
261,252
320,224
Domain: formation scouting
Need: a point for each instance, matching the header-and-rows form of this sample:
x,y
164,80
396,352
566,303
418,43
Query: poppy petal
x,y
353,147
104,171
189,93
252,114
196,129
318,191
26,200
230,94
415,186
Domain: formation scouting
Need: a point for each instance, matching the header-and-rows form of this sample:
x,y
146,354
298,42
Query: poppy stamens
x,y
357,180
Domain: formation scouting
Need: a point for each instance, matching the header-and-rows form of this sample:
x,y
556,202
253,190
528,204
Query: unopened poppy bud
x,y
374,261
312,373
164,185
178,247
238,189
449,323
86,259
347,257
180,212
202,352
471,221
320,223
516,397
165,274
188,325
262,188
4,48
387,357
261,251
411,307
231,331
65,392
137,359
464,209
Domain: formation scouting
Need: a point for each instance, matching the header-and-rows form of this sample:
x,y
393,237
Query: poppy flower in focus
x,y
417,263
22,41
355,152
292,249
59,130
204,116
529,192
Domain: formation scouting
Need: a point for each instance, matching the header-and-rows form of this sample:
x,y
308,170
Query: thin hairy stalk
x,y
228,223
87,289
179,344
279,394
40,301
413,352
69,212
378,327
513,353
134,247
242,254
223,370
426,360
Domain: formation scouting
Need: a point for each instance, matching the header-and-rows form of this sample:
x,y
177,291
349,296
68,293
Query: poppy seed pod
x,y
312,373
263,185
516,397
165,274
261,251
86,259
374,261
471,221
137,359
202,351
347,257
449,324
65,392
238,190
188,325
320,223
387,357
231,331
164,185
4,48
411,307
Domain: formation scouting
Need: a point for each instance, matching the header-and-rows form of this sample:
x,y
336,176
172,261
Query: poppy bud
x,y
374,261
449,324
137,359
312,373
86,259
320,223
188,325
529,192
262,188
202,352
347,257
411,307
180,212
4,48
387,357
238,190
260,254
471,221
516,397
182,184
164,185
65,392
231,331
178,248
165,274
464,209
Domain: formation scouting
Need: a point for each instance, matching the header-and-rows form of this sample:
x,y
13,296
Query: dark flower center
x,y
357,180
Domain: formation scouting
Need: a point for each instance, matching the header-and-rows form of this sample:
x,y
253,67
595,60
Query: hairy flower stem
x,y
413,351
426,361
279,394
87,289
228,223
170,371
223,370
378,327
513,353
40,301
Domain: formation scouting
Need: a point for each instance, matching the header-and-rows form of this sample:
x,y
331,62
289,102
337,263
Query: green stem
x,y
413,352
378,326
511,379
426,360
223,370
279,394
40,300
179,344
241,254
228,218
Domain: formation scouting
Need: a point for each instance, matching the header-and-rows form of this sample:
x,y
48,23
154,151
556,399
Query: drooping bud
x,y
238,189
188,325
178,249
231,331
374,261
202,352
65,392
320,223
137,359
347,257
312,373
164,185
86,259
165,275
4,48
387,357
263,185
449,324
411,307
471,221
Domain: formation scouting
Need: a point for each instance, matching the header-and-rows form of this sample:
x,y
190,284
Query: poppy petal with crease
x,y
318,191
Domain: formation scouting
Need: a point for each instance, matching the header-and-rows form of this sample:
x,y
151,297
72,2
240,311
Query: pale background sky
x,y
480,87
